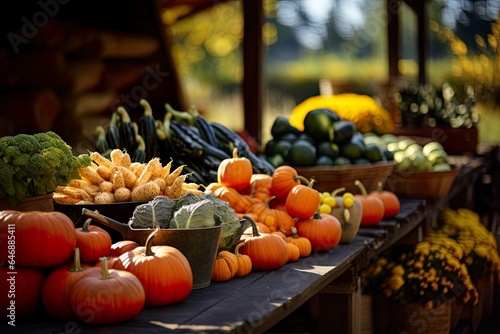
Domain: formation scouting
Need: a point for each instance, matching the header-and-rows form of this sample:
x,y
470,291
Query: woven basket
x,y
421,184
329,178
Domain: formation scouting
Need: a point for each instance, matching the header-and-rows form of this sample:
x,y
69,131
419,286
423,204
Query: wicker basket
x,y
329,178
421,184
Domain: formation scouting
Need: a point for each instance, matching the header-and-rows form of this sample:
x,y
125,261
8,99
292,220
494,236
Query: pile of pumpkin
x,y
79,274
284,209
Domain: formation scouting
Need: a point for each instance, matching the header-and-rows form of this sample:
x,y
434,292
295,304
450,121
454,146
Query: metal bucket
x,y
199,245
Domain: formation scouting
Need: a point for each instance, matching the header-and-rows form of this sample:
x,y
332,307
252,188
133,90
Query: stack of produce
x,y
73,266
325,140
185,137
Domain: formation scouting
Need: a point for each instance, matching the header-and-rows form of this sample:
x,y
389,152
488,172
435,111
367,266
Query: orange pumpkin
x,y
235,172
373,207
267,251
284,178
93,241
390,200
237,201
164,272
302,243
293,252
225,266
274,219
27,284
90,298
303,201
244,262
42,239
323,231
56,290
123,246
260,186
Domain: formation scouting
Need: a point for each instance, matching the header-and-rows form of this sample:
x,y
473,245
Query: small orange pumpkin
x,y
57,288
390,200
373,207
272,218
293,252
284,178
225,266
323,231
260,186
303,201
244,262
93,241
235,172
267,251
302,243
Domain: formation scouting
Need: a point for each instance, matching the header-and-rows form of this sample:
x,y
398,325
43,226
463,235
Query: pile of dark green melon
x,y
326,140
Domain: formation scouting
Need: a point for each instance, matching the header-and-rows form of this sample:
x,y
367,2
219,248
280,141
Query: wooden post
x,y
393,38
253,67
340,305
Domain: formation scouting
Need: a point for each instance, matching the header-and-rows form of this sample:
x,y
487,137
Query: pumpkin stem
x,y
255,230
149,243
238,246
311,183
317,215
295,235
77,264
301,179
380,187
85,227
104,265
361,187
235,153
338,190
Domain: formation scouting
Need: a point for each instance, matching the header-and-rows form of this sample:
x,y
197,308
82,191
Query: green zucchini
x,y
126,129
101,145
147,129
112,133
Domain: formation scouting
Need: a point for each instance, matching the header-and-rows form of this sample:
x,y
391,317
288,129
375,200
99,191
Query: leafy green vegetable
x,y
200,214
191,211
33,165
163,207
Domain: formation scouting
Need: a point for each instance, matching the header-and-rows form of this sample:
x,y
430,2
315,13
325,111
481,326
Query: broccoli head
x,y
34,165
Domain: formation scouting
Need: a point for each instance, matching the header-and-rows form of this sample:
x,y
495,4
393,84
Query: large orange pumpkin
x,y
107,296
267,250
235,172
36,238
323,231
164,272
20,292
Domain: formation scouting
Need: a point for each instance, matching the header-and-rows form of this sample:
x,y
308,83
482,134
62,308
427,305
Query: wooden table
x,y
255,303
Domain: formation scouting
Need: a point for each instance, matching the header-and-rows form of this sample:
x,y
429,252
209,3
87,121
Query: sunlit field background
x,y
344,44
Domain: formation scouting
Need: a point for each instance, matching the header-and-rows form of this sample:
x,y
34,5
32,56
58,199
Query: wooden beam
x,y
422,43
393,39
253,55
